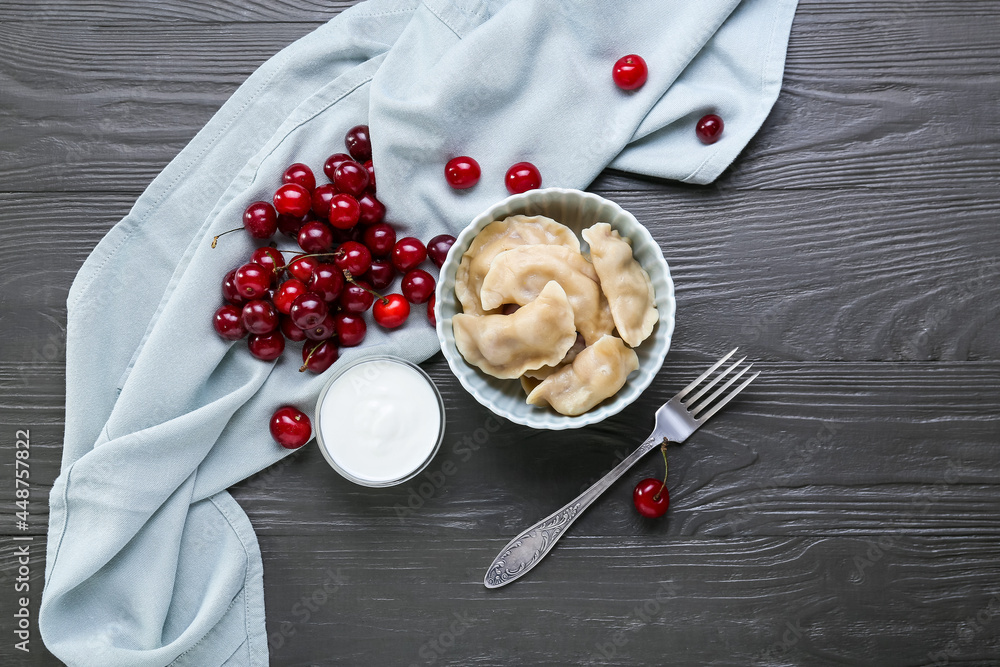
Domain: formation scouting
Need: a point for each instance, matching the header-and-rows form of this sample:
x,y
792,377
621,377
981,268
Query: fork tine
x,y
683,392
718,392
708,387
718,406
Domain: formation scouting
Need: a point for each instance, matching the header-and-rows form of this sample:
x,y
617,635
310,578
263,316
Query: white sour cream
x,y
380,421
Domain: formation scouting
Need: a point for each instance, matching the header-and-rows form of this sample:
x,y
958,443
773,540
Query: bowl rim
x,y
550,420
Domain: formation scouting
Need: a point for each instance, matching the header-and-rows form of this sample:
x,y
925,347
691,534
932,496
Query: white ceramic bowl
x,y
577,210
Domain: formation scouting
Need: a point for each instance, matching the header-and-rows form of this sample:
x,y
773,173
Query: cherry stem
x,y
349,278
663,450
215,241
305,364
298,257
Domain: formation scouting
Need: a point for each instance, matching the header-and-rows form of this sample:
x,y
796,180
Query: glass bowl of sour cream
x,y
379,420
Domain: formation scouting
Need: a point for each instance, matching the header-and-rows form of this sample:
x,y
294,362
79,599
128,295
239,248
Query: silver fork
x,y
675,421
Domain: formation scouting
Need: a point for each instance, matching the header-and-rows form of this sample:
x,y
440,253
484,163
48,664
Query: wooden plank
x,y
111,104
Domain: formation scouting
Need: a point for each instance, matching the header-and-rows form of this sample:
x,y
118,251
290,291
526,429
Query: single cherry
x,y
267,347
709,129
417,286
372,210
379,238
259,317
522,177
317,356
287,293
308,310
302,268
630,72
260,220
229,291
356,297
391,311
344,211
321,331
381,274
315,237
252,280
353,257
290,427
430,310
462,172
651,498
351,178
289,225
334,161
270,258
300,174
408,253
351,329
321,197
228,323
292,199
327,281
359,143
370,168
290,331
438,247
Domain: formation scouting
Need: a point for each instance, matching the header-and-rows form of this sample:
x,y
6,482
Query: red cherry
x,y
430,310
260,220
381,274
372,210
344,211
267,347
651,498
438,247
252,280
522,177
351,178
302,268
630,72
269,258
300,174
359,144
356,297
287,293
350,328
370,168
308,310
289,225
290,427
709,129
321,197
334,161
408,253
229,291
290,331
259,317
327,281
417,286
321,331
353,257
315,237
228,323
462,172
380,239
391,311
292,199
318,355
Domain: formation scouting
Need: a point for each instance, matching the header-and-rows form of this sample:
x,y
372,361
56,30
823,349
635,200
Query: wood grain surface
x,y
846,511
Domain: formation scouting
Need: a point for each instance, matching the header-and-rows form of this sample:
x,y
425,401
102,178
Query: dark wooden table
x,y
846,511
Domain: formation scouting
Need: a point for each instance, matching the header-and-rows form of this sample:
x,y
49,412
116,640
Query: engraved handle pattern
x,y
525,551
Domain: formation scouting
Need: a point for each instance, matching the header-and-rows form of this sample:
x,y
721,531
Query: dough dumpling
x,y
495,238
625,284
518,275
596,374
505,346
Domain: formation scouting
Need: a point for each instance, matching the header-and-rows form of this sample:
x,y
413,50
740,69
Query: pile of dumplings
x,y
539,310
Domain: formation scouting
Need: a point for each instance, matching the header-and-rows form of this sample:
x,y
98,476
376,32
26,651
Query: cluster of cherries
x,y
318,296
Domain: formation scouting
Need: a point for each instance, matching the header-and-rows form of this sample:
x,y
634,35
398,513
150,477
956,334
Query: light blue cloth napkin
x,y
150,561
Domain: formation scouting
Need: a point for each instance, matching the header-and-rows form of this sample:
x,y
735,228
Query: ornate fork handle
x,y
525,551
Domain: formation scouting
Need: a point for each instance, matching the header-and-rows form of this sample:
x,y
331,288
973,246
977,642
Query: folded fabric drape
x,y
150,561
